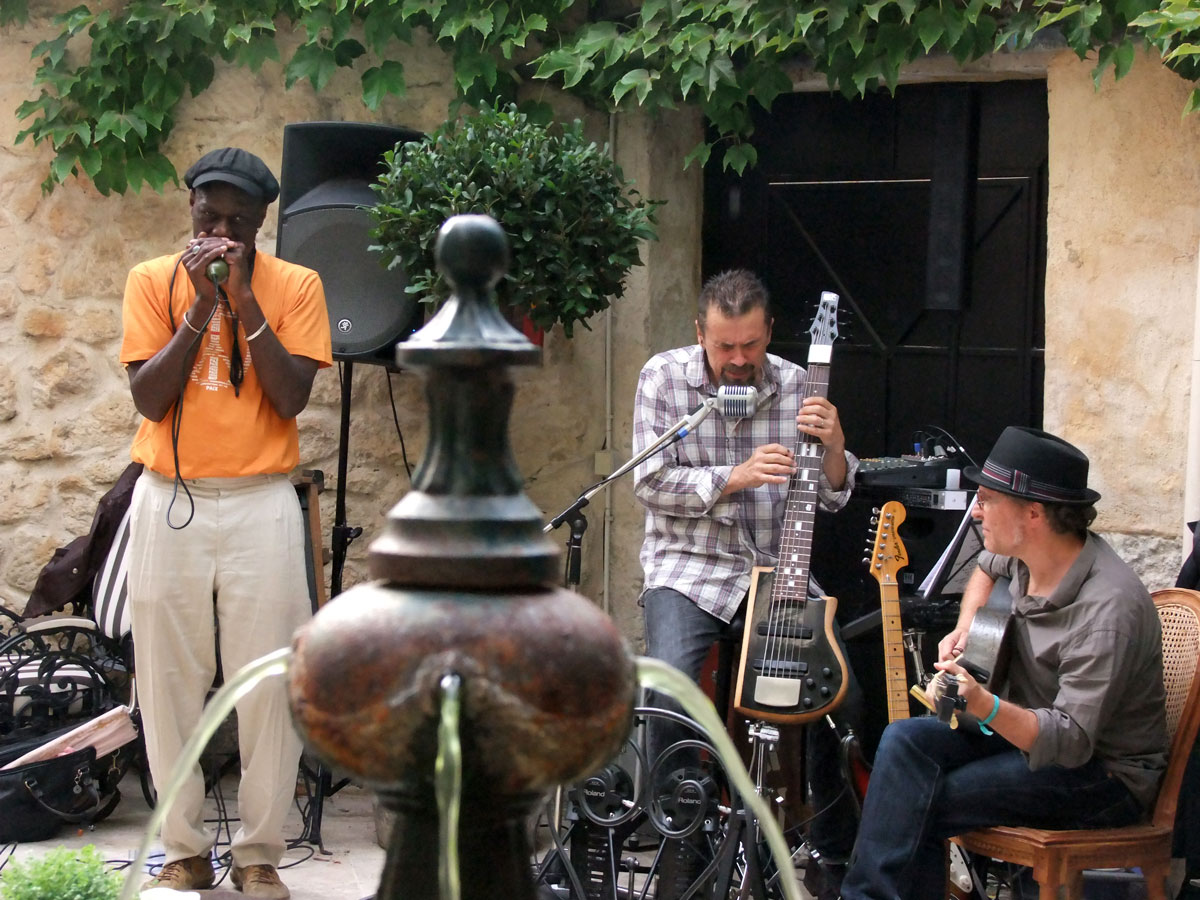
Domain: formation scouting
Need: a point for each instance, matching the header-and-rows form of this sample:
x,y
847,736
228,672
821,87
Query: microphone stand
x,y
341,537
574,512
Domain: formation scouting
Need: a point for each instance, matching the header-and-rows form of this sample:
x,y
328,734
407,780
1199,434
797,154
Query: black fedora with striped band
x,y
1035,465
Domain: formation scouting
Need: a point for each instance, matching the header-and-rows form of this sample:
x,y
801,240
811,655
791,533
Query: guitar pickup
x,y
782,668
792,632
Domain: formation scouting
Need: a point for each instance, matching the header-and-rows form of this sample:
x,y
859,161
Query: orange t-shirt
x,y
223,436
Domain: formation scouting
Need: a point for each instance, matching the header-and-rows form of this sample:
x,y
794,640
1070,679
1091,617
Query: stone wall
x,y
1121,295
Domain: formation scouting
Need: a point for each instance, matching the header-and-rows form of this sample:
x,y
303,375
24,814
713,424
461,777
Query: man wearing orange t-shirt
x,y
219,367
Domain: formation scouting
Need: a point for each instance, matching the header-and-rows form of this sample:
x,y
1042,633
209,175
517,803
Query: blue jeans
x,y
931,782
679,633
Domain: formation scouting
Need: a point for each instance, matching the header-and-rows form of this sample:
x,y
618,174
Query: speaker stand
x,y
342,536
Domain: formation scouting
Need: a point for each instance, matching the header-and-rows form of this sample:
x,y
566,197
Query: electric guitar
x,y
791,668
887,558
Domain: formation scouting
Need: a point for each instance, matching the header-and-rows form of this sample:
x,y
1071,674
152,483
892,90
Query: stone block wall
x,y
1123,233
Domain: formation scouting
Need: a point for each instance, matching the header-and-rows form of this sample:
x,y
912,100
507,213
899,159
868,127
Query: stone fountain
x,y
462,587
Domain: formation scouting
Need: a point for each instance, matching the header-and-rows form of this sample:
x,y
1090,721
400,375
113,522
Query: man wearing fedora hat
x,y
1074,735
221,345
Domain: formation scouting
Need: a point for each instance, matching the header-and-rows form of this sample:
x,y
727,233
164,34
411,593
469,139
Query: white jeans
x,y
240,560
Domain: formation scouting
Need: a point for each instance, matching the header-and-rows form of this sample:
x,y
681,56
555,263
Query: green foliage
x,y
13,11
107,104
572,220
61,874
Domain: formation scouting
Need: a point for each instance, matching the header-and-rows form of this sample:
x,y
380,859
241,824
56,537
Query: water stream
x,y
447,777
658,676
652,673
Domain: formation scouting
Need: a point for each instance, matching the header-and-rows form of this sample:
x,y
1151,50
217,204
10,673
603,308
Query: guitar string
x,y
795,543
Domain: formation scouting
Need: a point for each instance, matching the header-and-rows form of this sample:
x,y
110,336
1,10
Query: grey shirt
x,y
1088,661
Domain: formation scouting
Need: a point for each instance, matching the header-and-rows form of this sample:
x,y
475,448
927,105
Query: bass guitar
x,y
792,669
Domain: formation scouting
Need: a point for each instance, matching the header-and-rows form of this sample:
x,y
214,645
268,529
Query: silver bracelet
x,y
191,327
261,328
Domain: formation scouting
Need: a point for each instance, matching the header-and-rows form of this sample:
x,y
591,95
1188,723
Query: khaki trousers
x,y
238,563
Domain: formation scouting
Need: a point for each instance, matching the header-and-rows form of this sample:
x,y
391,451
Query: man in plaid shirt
x,y
715,500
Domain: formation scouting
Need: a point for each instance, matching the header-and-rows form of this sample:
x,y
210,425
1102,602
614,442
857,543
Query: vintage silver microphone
x,y
737,401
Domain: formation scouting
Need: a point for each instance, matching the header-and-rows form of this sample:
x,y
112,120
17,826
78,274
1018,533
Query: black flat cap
x,y
234,166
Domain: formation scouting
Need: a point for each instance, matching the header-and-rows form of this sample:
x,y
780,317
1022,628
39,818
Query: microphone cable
x,y
177,409
236,376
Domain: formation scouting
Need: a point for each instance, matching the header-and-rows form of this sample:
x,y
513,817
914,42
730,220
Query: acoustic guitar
x,y
791,668
985,655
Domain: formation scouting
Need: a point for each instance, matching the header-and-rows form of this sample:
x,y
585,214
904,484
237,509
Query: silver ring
x,y
195,248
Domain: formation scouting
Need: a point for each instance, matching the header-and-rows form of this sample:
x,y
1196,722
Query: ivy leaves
x,y
107,120
106,108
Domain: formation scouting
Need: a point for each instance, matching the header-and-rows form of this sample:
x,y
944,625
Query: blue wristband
x,y
995,709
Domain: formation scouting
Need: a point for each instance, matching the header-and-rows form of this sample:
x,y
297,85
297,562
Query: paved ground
x,y
349,870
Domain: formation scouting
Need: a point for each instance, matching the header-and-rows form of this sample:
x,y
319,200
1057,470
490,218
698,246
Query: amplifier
x,y
919,498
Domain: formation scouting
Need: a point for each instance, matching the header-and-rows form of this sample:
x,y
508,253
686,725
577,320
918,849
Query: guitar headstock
x,y
824,330
888,556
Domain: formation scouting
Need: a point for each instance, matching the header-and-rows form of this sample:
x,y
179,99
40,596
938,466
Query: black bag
x,y
38,798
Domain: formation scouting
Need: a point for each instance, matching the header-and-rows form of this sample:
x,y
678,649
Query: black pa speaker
x,y
327,171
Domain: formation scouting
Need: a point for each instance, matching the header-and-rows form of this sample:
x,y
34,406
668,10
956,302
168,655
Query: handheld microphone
x,y
737,401
217,271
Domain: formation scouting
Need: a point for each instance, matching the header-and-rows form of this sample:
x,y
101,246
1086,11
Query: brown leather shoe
x,y
261,882
192,873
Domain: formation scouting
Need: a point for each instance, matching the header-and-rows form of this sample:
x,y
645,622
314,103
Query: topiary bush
x,y
61,874
573,222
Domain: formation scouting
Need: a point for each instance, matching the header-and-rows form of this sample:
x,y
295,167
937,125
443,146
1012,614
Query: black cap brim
x,y
245,184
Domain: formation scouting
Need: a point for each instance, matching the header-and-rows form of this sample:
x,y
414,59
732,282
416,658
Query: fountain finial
x,y
463,587
471,251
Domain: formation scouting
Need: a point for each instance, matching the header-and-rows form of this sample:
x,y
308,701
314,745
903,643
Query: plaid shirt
x,y
698,542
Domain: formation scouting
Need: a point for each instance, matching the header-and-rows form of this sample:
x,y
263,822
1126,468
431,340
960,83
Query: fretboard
x,y
795,542
895,672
